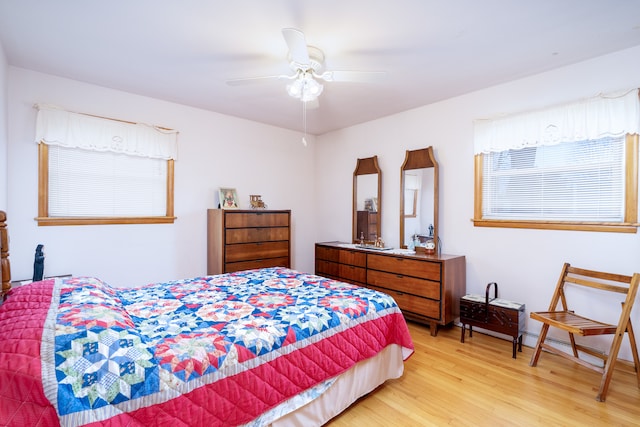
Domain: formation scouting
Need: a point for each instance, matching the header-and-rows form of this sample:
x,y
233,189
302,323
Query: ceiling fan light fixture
x,y
305,88
295,89
312,90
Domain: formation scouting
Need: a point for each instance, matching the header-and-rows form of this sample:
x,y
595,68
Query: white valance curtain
x,y
593,118
55,126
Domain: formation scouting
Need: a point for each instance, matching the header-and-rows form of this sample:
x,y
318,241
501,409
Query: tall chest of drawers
x,y
427,288
244,239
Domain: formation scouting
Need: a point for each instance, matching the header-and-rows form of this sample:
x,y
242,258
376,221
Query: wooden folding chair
x,y
573,323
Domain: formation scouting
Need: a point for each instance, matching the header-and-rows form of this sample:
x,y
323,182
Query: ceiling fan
x,y
307,64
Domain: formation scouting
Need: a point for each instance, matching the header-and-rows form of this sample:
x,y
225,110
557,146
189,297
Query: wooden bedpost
x,y
5,269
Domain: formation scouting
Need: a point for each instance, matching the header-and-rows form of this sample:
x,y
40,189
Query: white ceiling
x,y
184,51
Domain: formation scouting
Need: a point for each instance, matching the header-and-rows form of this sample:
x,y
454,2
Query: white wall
x,y
214,151
524,263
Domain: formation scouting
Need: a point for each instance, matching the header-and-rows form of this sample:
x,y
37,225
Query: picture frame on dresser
x,y
228,198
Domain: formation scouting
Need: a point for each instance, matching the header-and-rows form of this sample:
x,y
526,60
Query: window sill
x,y
47,221
557,225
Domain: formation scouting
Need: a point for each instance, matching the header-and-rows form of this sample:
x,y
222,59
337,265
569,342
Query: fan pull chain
x,y
304,120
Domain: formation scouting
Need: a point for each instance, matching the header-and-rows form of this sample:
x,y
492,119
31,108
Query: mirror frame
x,y
420,159
366,166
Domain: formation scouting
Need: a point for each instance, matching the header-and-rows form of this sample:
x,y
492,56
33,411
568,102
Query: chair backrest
x,y
610,282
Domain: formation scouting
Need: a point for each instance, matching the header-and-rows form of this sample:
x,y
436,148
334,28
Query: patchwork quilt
x,y
216,350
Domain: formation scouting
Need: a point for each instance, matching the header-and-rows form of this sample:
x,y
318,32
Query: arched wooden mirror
x,y
367,192
419,198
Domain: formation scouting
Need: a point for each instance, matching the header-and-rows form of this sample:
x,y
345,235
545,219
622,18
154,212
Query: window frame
x,y
629,225
44,219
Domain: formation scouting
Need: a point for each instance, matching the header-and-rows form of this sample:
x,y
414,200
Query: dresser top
x,y
390,252
253,210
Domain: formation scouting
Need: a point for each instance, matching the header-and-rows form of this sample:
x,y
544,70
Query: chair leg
x,y
634,351
573,345
609,364
538,349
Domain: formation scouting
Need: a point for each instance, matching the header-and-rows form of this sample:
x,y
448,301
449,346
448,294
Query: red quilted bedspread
x,y
215,351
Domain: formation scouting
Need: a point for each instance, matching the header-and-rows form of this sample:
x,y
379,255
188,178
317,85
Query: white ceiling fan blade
x,y
262,79
352,76
297,44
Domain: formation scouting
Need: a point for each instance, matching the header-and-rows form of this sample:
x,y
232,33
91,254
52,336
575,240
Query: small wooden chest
x,y
494,314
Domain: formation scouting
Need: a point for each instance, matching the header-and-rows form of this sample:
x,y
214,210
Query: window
x,y
557,182
91,184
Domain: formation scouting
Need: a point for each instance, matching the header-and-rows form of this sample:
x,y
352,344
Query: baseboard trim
x,y
530,340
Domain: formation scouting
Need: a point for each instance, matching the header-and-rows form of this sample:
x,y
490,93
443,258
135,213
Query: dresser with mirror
x,y
427,285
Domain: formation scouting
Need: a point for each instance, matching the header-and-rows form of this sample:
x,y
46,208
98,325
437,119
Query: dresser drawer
x,y
328,254
353,258
413,304
256,251
405,266
256,219
261,263
250,235
327,268
404,284
350,273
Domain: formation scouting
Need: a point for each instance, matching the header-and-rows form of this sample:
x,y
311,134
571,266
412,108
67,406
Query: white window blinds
x,y
574,181
85,183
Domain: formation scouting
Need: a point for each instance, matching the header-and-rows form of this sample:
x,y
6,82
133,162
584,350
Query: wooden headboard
x,y
5,268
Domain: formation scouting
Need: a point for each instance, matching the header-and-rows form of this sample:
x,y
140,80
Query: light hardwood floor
x,y
478,383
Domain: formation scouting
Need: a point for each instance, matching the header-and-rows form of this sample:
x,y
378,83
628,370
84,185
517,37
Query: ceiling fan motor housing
x,y
316,61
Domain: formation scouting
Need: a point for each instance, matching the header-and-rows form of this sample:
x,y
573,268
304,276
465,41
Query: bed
x,y
267,347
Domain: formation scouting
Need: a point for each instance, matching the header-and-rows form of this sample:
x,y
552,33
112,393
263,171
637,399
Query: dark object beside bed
x,y
493,314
